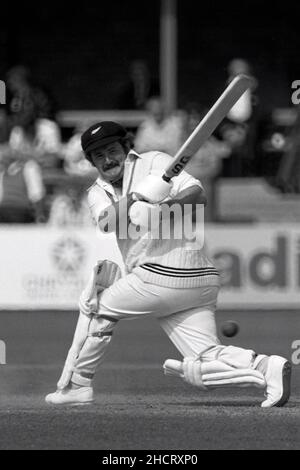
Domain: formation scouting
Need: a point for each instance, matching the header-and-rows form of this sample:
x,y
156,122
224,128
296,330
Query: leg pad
x,y
213,374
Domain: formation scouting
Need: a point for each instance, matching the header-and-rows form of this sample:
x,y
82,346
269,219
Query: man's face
x,y
109,161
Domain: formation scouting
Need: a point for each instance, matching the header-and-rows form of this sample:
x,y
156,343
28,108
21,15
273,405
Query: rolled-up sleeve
x,y
183,181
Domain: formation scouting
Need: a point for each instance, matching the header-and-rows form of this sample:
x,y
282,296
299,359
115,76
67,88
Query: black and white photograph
x,y
149,228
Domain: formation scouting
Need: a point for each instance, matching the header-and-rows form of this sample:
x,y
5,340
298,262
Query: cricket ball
x,y
230,328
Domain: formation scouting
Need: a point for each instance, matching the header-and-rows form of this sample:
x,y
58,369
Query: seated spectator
x,y
29,121
69,208
242,110
75,162
68,204
4,133
160,131
21,189
139,87
26,102
43,143
240,127
47,144
288,175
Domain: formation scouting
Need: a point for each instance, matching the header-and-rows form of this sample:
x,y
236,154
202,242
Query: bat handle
x,y
166,178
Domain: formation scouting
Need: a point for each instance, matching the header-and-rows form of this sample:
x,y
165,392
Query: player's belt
x,y
180,272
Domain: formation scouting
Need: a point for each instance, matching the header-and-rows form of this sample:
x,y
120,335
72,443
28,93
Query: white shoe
x,y
68,396
278,380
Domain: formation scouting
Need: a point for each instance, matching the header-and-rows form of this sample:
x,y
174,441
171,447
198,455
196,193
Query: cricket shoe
x,y
278,380
72,397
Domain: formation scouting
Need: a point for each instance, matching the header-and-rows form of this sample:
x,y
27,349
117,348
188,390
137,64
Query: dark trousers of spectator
x,y
16,215
288,175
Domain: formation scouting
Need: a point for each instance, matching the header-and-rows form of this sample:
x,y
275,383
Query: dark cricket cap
x,y
100,134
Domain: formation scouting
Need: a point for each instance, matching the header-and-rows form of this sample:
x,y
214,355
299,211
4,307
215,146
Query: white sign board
x,y
46,268
259,265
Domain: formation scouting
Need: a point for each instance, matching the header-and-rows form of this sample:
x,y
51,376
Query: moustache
x,y
109,166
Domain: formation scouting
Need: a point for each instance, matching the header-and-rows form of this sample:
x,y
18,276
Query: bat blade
x,y
209,123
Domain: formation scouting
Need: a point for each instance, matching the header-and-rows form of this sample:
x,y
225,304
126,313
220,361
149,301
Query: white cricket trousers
x,y
186,315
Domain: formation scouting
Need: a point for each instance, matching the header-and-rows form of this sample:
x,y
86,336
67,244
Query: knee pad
x,y
104,274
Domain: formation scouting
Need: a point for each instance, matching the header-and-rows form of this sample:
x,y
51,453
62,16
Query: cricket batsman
x,y
169,278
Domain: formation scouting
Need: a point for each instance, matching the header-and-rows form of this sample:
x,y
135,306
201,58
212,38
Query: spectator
x,y
26,102
44,145
47,137
239,129
75,162
68,205
4,133
138,89
288,175
206,164
241,112
159,130
21,189
47,144
30,122
69,208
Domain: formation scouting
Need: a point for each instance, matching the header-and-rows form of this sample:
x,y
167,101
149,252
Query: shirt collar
x,y
132,155
105,185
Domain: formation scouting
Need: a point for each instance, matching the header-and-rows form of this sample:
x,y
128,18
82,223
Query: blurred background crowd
x,y
43,173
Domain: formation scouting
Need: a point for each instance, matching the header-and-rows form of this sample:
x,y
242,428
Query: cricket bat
x,y
209,123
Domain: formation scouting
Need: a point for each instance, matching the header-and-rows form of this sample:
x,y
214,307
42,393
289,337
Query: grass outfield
x,y
137,407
